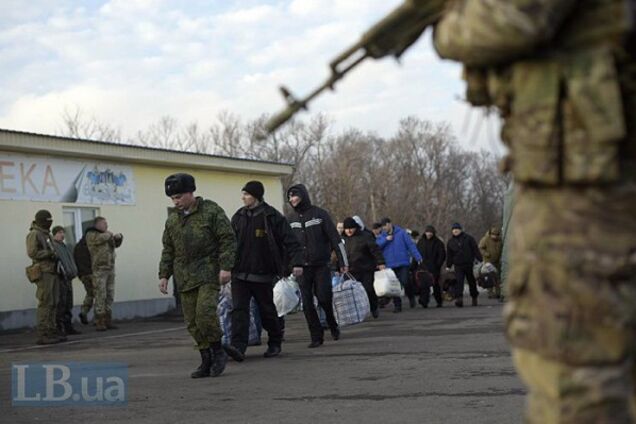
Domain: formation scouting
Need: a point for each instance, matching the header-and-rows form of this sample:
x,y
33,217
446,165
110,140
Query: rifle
x,y
392,35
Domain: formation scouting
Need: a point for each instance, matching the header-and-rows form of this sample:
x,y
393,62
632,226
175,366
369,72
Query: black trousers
x,y
366,278
466,272
316,281
263,294
426,283
64,316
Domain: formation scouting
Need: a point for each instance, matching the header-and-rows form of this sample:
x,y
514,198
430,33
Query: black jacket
x,y
462,251
433,254
363,252
316,232
82,255
281,250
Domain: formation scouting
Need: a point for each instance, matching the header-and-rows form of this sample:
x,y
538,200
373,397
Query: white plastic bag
x,y
386,283
286,296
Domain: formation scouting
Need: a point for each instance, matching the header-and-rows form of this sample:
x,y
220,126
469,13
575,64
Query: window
x,y
76,221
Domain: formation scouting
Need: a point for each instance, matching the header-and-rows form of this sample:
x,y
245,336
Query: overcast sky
x,y
129,62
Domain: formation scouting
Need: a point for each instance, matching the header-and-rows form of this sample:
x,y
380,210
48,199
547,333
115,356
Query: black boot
x,y
83,318
206,363
315,343
335,333
272,350
219,359
412,302
234,353
474,301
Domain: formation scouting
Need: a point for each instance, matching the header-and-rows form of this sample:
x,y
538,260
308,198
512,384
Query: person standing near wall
x,y
67,271
101,245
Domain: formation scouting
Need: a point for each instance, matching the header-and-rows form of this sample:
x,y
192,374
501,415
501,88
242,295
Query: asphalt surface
x,y
444,365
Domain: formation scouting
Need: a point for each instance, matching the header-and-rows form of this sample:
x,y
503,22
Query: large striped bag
x,y
350,302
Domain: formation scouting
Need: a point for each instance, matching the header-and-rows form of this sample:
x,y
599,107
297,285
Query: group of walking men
x,y
55,265
203,250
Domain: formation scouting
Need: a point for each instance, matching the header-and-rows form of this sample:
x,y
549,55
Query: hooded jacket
x,y
363,252
280,249
315,231
433,253
398,252
462,251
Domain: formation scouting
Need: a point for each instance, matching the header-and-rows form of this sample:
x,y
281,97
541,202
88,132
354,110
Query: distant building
x,y
77,180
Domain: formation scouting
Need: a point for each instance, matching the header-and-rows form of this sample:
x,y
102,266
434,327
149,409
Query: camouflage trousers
x,y
571,315
199,313
104,289
89,298
47,293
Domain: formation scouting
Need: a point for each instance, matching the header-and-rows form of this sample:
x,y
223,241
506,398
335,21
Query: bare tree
x,y
77,125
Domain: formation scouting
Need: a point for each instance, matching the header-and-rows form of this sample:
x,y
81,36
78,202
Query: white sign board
x,y
49,179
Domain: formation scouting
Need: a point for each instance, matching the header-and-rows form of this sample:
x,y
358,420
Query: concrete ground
x,y
445,365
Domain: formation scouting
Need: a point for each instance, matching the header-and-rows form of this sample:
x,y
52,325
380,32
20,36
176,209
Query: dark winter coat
x,y
433,253
82,255
315,231
462,251
266,242
363,253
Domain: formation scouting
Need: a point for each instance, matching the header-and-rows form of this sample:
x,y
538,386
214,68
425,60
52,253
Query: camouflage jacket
x,y
491,249
39,248
197,245
561,73
102,249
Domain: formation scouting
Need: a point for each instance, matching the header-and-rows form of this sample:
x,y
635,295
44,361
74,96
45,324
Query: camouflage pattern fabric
x,y
199,313
87,281
564,79
39,248
102,249
104,289
571,314
196,246
47,294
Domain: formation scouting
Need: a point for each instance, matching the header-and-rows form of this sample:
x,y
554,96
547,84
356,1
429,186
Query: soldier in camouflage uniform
x,y
40,250
199,250
563,75
491,246
101,245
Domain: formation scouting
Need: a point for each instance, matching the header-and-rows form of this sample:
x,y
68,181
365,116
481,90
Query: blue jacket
x,y
398,252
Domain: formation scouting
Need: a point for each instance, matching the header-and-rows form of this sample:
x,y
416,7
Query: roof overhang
x,y
24,142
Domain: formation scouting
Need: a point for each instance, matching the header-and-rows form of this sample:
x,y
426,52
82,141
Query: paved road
x,y
443,365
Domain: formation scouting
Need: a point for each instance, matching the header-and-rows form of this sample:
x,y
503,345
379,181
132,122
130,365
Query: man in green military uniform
x,y
199,250
491,246
40,250
563,75
101,244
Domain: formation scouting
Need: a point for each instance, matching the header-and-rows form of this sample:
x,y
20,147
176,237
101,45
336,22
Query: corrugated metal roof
x,y
27,142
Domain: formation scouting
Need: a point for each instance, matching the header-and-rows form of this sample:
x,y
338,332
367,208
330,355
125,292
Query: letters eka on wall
x,y
52,179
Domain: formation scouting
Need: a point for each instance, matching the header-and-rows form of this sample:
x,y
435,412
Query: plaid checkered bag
x,y
350,302
224,312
